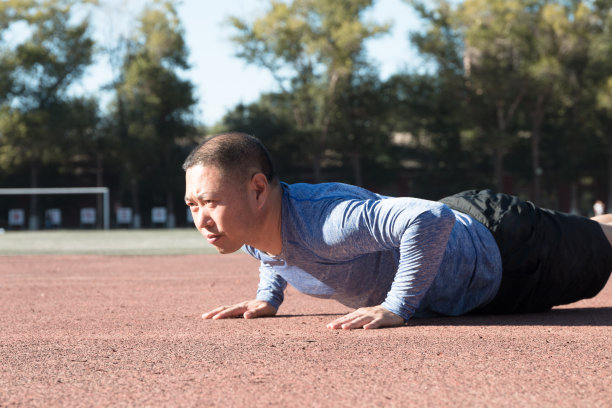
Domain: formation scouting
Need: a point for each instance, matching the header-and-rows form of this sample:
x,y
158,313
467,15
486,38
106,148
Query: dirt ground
x,y
126,331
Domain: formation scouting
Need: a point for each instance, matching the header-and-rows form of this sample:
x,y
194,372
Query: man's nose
x,y
204,219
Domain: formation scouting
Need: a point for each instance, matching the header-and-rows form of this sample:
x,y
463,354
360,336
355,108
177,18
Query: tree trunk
x,y
170,217
135,204
535,164
498,150
34,220
609,203
171,220
504,117
316,168
536,124
322,142
99,183
574,199
498,166
357,174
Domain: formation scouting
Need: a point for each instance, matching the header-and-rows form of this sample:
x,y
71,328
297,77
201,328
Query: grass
x,y
99,242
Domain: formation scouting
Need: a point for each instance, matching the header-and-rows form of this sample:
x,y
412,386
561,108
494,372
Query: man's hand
x,y
249,310
367,317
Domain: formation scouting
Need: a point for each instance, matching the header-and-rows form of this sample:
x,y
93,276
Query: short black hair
x,y
235,154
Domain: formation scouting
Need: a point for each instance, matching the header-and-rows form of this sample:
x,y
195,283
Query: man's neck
x,y
270,237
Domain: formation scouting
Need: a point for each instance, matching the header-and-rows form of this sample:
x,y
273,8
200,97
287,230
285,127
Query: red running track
x,y
82,331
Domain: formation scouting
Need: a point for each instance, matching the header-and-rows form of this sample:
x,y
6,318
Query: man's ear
x,y
261,188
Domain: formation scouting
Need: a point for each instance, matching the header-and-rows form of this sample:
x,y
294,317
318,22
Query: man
x,y
390,258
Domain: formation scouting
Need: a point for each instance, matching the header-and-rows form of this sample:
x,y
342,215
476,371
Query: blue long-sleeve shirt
x,y
412,256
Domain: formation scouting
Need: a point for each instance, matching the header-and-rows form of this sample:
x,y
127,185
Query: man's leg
x,y
605,221
607,229
549,258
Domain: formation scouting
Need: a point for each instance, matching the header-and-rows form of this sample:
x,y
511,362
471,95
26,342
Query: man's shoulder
x,y
324,191
310,211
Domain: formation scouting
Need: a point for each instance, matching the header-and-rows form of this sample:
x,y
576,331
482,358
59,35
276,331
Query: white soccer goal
x,y
66,190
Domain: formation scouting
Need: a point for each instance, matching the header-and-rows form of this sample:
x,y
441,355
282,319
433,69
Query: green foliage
x,y
313,48
36,116
152,111
524,70
517,95
270,120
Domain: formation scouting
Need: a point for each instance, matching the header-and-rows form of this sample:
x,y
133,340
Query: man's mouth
x,y
212,238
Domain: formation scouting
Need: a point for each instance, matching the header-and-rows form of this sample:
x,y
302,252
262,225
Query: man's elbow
x,y
447,218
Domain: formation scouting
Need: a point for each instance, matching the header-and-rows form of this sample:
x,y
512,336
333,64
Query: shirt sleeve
x,y
422,247
271,286
420,229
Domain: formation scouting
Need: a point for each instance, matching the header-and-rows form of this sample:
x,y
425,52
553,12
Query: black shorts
x,y
549,258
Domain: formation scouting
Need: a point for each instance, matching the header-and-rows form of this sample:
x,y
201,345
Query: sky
x,y
221,80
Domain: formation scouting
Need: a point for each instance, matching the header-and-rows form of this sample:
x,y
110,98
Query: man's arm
x,y
271,288
249,309
368,318
422,241
270,295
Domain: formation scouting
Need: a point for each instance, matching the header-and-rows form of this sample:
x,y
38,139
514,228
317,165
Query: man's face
x,y
220,208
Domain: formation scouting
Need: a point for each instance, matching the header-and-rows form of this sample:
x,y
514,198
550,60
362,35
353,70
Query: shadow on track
x,y
285,316
587,316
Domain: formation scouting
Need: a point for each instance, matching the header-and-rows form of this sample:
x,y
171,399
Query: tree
x,y
153,105
497,52
311,48
520,60
361,137
38,71
600,52
270,120
558,76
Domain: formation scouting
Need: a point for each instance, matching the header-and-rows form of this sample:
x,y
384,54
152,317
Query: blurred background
x,y
420,98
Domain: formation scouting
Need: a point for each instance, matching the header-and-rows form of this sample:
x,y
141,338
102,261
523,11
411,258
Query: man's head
x,y
237,155
229,180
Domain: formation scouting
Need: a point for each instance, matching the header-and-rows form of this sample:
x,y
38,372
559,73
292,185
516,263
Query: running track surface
x,y
126,331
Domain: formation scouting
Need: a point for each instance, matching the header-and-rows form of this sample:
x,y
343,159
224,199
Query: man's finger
x,y
231,311
357,322
209,315
348,317
223,312
348,321
336,324
374,324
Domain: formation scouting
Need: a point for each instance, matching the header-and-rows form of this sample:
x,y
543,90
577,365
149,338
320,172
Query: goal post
x,y
66,190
